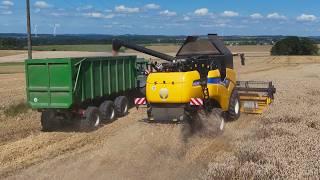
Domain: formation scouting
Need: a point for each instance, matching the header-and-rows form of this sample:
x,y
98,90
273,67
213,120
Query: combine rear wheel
x,y
207,124
234,106
213,122
121,106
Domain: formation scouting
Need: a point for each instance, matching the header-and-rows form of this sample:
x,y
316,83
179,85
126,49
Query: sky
x,y
165,17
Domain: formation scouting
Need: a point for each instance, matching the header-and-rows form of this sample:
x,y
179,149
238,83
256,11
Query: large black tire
x,y
92,119
49,121
107,111
205,124
212,123
121,105
234,106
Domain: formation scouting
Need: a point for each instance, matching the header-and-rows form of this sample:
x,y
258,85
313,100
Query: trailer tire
x,y
49,121
234,107
91,120
121,106
107,111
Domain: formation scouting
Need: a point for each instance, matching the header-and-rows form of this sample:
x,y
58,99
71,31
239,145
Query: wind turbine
x,y
55,26
35,31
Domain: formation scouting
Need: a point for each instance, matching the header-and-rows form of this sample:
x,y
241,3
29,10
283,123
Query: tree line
x,y
295,46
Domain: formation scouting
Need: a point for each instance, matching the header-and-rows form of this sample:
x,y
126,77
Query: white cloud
x,y
175,24
168,13
256,16
108,26
98,15
186,18
109,16
41,4
307,18
94,15
276,16
58,14
206,25
125,26
83,8
221,25
229,14
7,3
4,7
152,6
124,9
201,12
6,12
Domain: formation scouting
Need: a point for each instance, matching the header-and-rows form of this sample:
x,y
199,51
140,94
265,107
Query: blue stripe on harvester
x,y
214,80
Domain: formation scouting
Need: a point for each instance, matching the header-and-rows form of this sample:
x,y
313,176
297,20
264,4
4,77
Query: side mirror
x,y
243,59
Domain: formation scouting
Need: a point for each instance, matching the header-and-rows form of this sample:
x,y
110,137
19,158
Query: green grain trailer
x,y
90,90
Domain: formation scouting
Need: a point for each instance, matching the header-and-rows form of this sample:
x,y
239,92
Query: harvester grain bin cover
x,y
211,47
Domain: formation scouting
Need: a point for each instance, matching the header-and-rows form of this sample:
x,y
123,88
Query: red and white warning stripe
x,y
196,102
140,101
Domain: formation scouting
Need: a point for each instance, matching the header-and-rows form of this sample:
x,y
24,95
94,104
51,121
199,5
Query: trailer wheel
x,y
92,119
234,107
121,105
49,121
107,111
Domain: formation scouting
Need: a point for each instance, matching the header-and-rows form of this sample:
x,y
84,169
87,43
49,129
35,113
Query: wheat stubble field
x,y
283,143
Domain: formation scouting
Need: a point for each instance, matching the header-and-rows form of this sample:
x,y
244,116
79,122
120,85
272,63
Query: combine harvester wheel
x,y
207,124
234,107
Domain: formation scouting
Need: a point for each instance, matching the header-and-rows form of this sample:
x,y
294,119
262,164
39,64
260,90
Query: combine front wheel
x,y
234,106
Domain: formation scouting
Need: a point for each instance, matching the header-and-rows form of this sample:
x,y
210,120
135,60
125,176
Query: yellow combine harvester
x,y
199,80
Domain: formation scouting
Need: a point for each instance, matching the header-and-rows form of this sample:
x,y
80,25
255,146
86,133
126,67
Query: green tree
x,y
295,46
11,43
